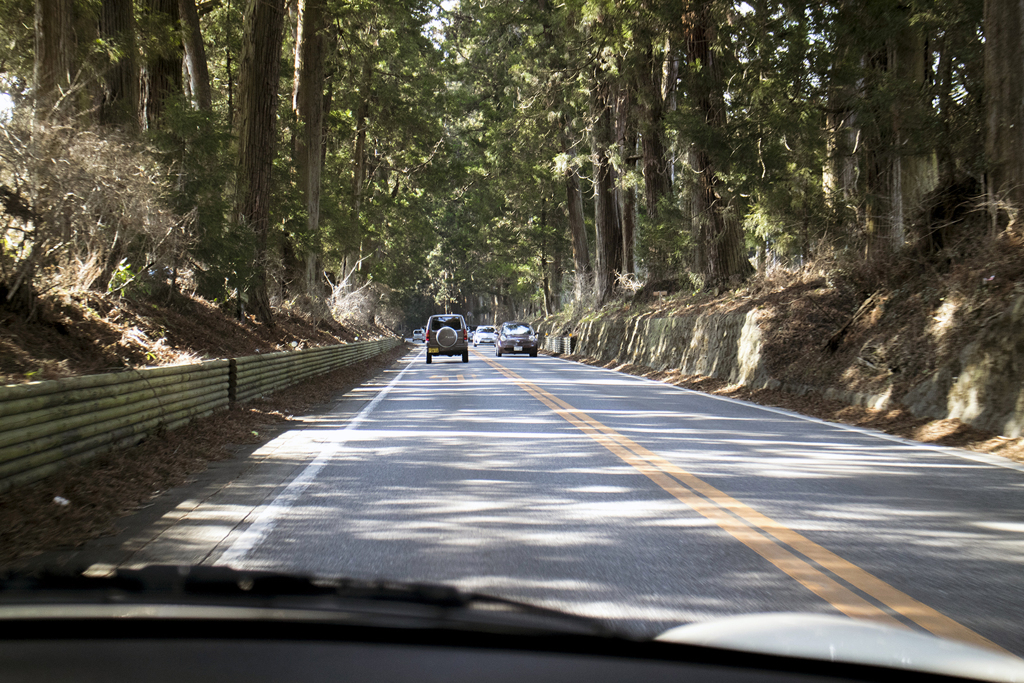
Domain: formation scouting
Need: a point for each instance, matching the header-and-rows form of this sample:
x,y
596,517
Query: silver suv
x,y
447,335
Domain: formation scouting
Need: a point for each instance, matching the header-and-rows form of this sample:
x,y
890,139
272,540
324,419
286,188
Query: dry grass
x,y
84,332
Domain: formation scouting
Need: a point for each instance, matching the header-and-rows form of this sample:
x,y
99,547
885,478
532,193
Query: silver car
x,y
485,334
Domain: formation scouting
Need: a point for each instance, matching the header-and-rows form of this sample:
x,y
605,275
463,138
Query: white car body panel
x,y
841,639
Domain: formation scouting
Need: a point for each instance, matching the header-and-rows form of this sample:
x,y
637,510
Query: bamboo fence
x,y
48,425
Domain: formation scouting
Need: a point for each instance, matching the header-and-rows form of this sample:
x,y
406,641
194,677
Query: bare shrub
x,y
366,305
309,307
95,203
584,299
585,290
628,283
357,305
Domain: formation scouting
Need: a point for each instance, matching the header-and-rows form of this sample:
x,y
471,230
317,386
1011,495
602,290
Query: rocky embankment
x,y
980,384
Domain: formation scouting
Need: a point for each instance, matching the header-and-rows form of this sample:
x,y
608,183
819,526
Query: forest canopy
x,y
499,158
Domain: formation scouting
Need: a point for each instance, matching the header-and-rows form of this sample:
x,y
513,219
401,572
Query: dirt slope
x,y
77,333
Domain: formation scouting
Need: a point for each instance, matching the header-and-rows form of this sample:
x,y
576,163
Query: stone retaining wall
x,y
983,388
724,346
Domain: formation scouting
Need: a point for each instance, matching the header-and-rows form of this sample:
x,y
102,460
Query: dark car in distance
x,y
516,337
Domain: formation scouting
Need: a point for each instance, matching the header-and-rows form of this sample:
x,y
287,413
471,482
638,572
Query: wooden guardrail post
x,y
232,380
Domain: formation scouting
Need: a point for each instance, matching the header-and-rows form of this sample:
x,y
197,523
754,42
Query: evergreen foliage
x,y
703,139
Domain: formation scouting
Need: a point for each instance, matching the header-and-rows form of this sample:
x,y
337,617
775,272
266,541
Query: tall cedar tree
x,y
607,223
196,68
721,249
1004,101
308,105
120,99
257,105
54,47
162,77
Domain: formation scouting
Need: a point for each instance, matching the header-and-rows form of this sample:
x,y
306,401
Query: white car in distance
x,y
485,334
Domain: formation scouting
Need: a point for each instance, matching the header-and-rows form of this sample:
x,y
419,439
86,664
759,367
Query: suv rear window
x,y
454,322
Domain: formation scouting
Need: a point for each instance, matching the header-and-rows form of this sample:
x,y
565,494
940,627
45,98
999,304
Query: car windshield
x,y
761,342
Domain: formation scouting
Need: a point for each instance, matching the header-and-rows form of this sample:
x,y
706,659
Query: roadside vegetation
x,y
498,159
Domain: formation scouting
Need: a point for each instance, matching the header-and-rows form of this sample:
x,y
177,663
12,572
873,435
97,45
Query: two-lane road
x,y
608,495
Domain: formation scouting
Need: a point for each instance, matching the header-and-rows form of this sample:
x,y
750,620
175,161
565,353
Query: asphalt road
x,y
611,496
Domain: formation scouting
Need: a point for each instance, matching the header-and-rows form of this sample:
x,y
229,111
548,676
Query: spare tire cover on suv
x,y
446,336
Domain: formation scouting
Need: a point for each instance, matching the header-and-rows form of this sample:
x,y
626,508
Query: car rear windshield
x,y
518,328
485,328
453,321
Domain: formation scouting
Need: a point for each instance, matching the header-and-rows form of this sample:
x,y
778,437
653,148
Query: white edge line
x,y
267,518
994,460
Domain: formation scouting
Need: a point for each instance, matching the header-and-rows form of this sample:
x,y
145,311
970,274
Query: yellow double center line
x,y
762,534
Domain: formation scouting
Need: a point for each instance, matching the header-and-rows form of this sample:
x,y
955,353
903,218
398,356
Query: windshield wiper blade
x,y
170,584
206,581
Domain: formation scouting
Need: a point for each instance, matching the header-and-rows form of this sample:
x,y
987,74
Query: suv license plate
x,y
433,349
517,348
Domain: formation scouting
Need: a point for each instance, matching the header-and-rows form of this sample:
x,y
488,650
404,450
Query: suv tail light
x,y
426,335
465,334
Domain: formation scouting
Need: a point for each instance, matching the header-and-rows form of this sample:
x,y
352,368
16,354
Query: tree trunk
x,y
897,178
54,46
607,228
257,98
656,167
120,99
196,67
944,85
577,228
308,104
545,283
1004,108
359,161
555,278
359,153
841,137
719,236
231,113
917,165
628,230
628,138
162,78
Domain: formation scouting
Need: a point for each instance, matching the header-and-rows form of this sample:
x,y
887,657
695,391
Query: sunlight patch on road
x,y
600,489
1017,527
